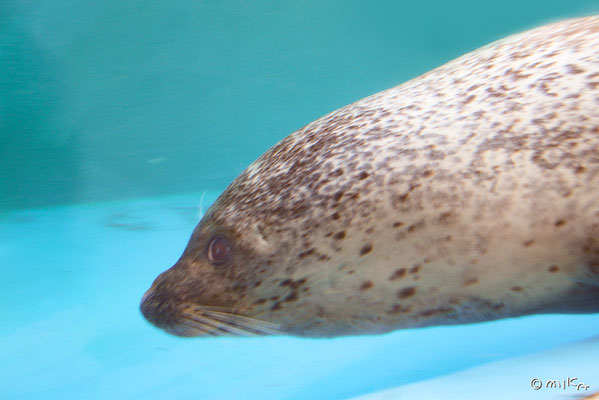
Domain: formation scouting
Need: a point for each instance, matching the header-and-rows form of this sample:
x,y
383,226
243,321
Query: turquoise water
x,y
74,277
119,119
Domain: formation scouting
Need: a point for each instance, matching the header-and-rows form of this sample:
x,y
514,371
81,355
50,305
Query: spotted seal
x,y
467,194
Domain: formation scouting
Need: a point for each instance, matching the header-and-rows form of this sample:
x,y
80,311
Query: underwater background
x,y
121,121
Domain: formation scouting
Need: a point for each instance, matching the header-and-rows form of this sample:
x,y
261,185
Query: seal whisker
x,y
224,326
200,325
246,322
214,327
228,323
240,317
201,206
257,325
214,308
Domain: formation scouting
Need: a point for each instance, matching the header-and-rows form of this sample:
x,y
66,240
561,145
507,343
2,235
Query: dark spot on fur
x,y
418,225
274,298
354,196
468,99
350,272
406,292
580,169
574,69
366,285
560,222
516,288
397,224
257,283
292,297
260,301
306,253
398,308
399,273
335,216
293,284
403,197
339,235
363,175
435,154
276,306
553,268
445,217
593,75
415,269
528,243
367,248
471,281
337,196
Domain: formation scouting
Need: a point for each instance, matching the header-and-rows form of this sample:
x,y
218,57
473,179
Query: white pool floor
x,y
71,328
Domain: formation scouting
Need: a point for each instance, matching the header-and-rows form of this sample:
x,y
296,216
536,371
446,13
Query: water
x,y
73,330
118,118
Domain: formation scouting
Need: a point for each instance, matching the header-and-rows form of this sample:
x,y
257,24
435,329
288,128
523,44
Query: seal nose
x,y
148,306
158,308
148,294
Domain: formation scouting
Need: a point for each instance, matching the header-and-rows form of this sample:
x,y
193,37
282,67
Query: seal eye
x,y
219,250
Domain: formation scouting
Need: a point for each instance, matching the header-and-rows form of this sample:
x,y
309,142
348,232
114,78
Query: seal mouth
x,y
191,320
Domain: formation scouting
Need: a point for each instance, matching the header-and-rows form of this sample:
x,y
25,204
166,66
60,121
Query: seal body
x,y
467,194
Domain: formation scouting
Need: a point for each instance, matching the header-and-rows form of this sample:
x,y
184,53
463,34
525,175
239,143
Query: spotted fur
x,y
467,194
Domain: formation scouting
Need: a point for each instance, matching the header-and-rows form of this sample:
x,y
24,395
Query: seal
x,y
465,195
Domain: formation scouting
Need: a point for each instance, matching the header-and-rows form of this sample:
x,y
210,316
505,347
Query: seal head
x,y
465,195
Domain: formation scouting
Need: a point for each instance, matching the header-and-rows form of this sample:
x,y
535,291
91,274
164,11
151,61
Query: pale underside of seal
x,y
467,194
